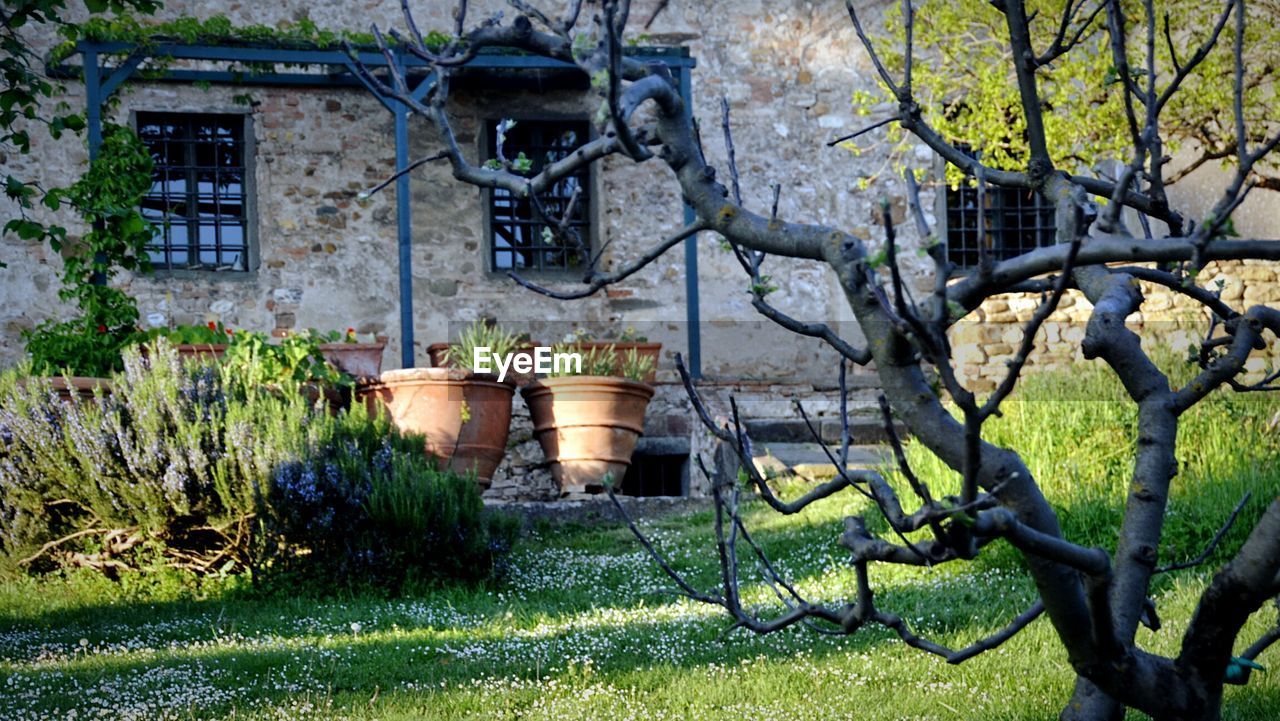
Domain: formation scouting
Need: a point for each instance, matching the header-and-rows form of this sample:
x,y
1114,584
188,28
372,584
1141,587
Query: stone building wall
x,y
328,259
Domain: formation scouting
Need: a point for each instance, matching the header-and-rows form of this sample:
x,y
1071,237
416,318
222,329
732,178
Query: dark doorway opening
x,y
656,475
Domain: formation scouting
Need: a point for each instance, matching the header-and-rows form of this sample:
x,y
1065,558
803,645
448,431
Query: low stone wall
x,y
988,340
524,475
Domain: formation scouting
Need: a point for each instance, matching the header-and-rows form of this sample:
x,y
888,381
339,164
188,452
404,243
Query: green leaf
x,y
25,229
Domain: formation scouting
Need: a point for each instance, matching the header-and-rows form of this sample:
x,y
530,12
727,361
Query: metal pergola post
x,y
693,317
101,81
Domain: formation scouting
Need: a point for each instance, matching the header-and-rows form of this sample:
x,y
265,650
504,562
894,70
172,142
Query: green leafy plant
x,y
333,336
127,27
596,361
23,102
636,367
107,198
481,334
627,335
252,362
212,333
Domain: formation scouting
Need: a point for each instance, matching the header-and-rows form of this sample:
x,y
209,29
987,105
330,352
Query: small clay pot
x,y
78,388
203,352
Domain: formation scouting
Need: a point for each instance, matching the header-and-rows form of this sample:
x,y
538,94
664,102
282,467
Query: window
x,y
198,196
521,238
1017,221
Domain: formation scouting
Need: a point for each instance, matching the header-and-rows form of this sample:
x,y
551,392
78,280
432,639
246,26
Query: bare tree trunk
x,y
1089,703
1095,600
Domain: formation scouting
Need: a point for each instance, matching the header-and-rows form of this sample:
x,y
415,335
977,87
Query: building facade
x,y
268,227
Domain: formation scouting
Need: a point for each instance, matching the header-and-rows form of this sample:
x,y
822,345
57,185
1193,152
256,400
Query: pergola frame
x,y
101,80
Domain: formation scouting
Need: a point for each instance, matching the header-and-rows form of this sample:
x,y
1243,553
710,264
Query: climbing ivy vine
x,y
106,197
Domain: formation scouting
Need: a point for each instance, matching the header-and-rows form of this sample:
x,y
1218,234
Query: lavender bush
x,y
173,469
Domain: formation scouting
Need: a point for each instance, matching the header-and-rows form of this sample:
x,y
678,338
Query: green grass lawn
x,y
579,629
582,628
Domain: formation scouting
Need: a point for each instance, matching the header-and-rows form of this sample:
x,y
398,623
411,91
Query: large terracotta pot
x,y
359,360
622,348
436,352
465,416
588,427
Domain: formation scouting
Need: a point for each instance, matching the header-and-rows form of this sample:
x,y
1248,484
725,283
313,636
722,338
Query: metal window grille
x,y
1017,221
520,238
198,191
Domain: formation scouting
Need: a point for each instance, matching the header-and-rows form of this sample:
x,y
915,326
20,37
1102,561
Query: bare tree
x,y
1094,599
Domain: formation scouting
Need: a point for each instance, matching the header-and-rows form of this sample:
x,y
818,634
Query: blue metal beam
x,y
404,232
118,75
693,318
497,59
93,102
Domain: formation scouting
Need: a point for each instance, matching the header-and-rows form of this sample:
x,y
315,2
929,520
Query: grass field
x,y
580,627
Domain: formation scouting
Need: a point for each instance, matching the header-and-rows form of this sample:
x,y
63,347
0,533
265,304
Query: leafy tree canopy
x,y
965,84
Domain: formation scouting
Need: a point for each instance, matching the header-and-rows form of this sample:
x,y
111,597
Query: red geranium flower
x,y
102,328
229,331
213,326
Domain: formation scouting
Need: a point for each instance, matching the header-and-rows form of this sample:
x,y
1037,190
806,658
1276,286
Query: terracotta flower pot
x,y
622,348
437,353
78,388
203,352
359,360
465,416
588,427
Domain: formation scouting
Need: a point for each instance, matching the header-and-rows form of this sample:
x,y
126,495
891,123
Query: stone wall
x,y
1168,322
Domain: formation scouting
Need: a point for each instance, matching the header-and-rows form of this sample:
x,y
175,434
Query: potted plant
x,y
588,423
77,357
251,363
195,342
465,416
349,354
625,342
80,352
449,355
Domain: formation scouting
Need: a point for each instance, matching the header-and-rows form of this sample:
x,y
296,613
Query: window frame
x,y
592,187
943,227
249,181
